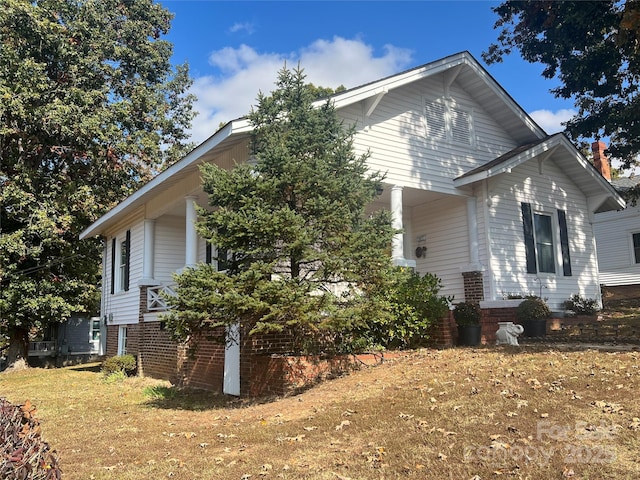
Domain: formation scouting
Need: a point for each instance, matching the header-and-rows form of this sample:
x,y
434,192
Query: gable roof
x,y
467,72
235,130
564,153
461,67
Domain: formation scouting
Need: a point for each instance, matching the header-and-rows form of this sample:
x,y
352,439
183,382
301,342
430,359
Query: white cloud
x,y
551,122
238,27
243,71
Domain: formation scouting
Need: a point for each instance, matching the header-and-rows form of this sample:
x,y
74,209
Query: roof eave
x,y
132,201
372,89
614,200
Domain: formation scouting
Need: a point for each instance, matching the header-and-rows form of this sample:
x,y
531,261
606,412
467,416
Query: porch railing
x,y
155,299
42,349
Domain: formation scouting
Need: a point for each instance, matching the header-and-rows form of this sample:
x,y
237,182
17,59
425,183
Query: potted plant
x,y
467,316
532,314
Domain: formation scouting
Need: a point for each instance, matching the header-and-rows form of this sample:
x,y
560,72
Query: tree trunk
x,y
18,347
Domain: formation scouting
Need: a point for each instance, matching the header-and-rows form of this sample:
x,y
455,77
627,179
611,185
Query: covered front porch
x,y
438,233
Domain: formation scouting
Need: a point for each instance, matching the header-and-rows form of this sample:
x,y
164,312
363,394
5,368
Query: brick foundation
x,y
158,356
201,364
133,339
112,340
282,374
489,322
445,332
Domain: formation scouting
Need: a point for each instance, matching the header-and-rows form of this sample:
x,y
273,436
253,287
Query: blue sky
x,y
235,48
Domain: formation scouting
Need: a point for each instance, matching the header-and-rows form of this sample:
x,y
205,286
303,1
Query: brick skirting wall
x,y
158,353
112,340
201,364
132,339
283,374
490,319
445,332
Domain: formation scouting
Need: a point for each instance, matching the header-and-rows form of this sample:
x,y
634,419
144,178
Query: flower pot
x,y
534,328
469,335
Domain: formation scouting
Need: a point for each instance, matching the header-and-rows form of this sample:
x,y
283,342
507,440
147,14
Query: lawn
x,y
490,412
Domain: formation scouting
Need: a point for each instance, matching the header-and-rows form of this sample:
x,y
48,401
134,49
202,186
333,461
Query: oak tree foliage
x,y
593,48
90,108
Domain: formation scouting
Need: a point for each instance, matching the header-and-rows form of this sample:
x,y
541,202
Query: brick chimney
x,y
600,160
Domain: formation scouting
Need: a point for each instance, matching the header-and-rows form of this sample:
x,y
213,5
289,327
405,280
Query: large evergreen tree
x,y
299,251
593,47
90,107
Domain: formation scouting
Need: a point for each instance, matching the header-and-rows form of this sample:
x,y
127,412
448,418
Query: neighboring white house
x,y
618,241
486,199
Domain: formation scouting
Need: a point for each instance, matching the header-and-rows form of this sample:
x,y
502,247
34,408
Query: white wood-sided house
x,y
618,242
485,198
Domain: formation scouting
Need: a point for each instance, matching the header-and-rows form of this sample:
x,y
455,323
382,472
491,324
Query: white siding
x,y
169,247
122,307
444,223
616,260
546,192
396,137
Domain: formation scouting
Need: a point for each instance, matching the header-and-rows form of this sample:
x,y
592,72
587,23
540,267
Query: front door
x,y
231,384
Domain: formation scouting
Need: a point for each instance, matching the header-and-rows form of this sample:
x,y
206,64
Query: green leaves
x,y
90,107
304,252
592,48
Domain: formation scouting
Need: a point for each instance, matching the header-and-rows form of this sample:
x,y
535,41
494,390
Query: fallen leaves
x,y
608,407
343,424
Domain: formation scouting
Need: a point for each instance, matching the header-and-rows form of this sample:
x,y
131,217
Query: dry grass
x,y
520,413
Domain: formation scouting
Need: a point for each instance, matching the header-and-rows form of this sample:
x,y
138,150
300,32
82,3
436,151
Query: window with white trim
x,y
120,263
123,266
636,247
545,249
122,340
542,236
220,257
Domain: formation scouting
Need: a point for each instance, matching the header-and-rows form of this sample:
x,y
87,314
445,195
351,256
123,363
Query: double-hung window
x,y
221,257
636,247
542,235
120,263
124,264
122,340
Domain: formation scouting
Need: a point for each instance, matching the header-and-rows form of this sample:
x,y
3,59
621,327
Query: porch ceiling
x,y
231,134
411,197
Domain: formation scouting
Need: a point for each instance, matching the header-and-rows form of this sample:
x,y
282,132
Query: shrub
x,y
533,308
124,365
404,312
581,306
467,313
24,455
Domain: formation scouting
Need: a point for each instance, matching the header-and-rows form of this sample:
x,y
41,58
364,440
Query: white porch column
x,y
148,253
397,243
472,225
191,236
